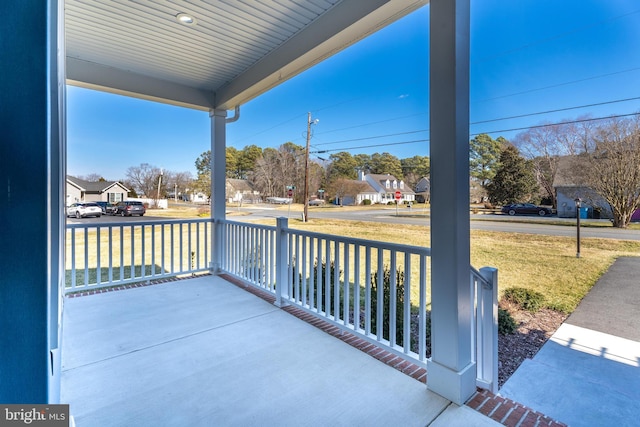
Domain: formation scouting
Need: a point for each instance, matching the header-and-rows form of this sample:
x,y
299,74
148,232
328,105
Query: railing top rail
x,y
418,250
137,223
249,224
483,281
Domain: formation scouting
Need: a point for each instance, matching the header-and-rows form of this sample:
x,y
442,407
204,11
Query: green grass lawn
x,y
546,264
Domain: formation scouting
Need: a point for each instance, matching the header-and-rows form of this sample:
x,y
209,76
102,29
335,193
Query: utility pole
x,y
306,167
306,171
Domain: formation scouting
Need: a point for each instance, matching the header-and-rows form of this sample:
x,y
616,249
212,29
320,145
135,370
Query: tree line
x,y
602,155
273,171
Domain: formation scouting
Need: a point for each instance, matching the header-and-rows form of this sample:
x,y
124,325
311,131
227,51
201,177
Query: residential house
x,y
384,187
569,188
241,190
423,190
79,190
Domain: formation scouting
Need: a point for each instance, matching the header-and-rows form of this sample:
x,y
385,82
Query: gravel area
x,y
534,330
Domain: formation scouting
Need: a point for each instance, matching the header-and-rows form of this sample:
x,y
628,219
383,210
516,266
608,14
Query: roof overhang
x,y
234,52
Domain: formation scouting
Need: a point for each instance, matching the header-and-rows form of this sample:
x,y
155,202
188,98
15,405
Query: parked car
x,y
526,209
316,202
84,209
107,208
129,208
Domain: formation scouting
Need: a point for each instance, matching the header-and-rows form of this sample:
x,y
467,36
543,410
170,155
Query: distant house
x,y
241,190
79,190
423,190
568,189
382,189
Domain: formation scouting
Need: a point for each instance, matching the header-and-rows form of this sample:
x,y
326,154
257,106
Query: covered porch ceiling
x,y
233,51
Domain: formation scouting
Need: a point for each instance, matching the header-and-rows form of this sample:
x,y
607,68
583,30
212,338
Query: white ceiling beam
x,y
92,75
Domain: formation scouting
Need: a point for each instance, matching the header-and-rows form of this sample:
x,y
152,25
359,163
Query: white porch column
x,y
450,371
32,177
218,179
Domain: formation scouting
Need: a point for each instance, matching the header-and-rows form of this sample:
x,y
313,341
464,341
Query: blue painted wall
x,y
24,140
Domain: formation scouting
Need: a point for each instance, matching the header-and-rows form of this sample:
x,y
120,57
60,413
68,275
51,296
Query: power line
x,y
616,116
370,146
372,137
592,119
597,104
559,84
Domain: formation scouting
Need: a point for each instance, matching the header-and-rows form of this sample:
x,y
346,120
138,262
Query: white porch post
x,y
450,371
218,179
32,149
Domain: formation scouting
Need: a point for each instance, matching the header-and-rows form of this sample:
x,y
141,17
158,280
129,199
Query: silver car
x,y
84,209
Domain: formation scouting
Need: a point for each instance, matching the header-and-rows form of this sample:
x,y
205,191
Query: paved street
x,y
487,222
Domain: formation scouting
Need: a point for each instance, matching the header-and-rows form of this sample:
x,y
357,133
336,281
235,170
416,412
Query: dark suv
x,y
129,208
107,208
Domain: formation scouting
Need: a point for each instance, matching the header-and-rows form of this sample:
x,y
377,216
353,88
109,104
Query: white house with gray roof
x,y
384,187
79,190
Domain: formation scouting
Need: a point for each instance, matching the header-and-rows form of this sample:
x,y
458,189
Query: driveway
x,y
588,373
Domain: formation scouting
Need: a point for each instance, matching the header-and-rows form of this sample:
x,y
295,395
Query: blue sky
x,y
527,56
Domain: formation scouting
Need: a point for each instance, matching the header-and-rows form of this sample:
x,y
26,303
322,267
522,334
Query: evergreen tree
x,y
514,180
484,157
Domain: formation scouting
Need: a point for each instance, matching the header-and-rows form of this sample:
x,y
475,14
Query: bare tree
x,y
144,178
544,145
614,167
278,169
343,187
177,182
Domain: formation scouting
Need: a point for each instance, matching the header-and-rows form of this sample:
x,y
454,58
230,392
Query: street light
x,y
578,205
306,167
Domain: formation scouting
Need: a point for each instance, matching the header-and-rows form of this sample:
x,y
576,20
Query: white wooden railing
x,y
109,254
376,290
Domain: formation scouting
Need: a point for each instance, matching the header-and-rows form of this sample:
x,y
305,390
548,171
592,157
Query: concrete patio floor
x,y
203,352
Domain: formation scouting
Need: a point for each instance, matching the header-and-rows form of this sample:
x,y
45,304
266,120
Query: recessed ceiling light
x,y
186,19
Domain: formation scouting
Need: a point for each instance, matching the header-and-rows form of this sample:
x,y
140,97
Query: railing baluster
x,y
336,281
356,286
406,313
98,270
86,256
346,285
422,317
380,295
153,249
73,258
393,299
367,291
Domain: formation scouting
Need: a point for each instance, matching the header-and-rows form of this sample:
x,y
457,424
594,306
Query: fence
x,y
376,290
119,253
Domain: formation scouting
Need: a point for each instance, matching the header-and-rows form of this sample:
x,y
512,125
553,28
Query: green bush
x,y
506,323
366,202
386,304
391,203
527,299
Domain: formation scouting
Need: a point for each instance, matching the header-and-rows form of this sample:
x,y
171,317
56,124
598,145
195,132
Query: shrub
x,y
366,202
314,283
391,203
506,323
386,304
527,299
